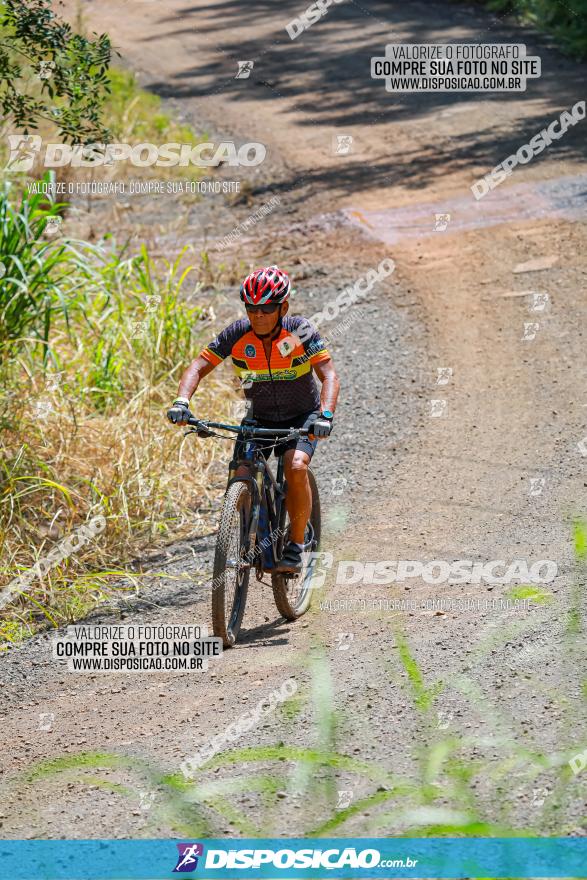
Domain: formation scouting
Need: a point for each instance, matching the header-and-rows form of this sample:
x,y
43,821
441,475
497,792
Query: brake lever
x,y
201,432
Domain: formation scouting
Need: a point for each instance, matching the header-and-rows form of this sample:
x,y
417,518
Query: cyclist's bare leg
x,y
298,499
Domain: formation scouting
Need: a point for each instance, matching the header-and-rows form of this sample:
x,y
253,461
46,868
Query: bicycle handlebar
x,y
249,430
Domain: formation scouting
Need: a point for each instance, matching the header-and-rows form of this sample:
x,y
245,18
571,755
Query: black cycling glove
x,y
179,412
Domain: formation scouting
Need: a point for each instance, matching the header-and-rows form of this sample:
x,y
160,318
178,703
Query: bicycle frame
x,y
267,489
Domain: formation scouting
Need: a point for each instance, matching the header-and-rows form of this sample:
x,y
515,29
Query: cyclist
x,y
275,356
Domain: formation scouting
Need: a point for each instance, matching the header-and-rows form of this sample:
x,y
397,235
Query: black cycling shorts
x,y
268,445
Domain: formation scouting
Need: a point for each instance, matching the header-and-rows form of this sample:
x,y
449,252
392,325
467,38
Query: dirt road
x,y
478,462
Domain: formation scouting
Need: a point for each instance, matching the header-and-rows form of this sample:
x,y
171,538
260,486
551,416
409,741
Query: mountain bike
x,y
254,529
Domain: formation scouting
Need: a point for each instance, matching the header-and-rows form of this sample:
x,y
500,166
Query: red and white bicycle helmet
x,y
268,285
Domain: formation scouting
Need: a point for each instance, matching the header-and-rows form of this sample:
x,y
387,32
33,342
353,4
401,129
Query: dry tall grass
x,y
83,432
91,349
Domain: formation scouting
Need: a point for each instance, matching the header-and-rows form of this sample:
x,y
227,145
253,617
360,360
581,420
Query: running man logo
x,y
539,302
441,222
46,69
344,640
342,144
539,795
23,151
530,330
443,375
438,408
187,861
345,797
244,69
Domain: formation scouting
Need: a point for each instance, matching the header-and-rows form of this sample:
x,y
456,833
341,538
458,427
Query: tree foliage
x,y
566,20
49,72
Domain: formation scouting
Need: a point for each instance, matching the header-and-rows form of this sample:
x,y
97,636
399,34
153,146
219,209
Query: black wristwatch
x,y
326,414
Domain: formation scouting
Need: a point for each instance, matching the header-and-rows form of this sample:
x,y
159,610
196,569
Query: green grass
x,y
93,339
92,343
137,113
565,21
33,270
460,784
534,594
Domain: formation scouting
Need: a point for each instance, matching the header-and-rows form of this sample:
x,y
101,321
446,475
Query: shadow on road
x,y
323,78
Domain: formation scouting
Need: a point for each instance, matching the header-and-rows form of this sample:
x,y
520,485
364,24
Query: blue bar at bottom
x,y
389,857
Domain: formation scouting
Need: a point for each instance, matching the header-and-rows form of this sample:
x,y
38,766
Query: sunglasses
x,y
265,309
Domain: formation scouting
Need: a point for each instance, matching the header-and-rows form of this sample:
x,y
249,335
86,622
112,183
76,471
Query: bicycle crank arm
x,y
237,564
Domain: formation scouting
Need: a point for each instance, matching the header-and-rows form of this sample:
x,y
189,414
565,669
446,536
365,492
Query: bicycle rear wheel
x,y
292,593
231,570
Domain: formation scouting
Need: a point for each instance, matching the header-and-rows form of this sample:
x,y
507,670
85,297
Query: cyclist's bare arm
x,y
325,371
192,376
330,384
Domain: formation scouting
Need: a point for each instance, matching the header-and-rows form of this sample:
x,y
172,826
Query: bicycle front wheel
x,y
292,593
231,567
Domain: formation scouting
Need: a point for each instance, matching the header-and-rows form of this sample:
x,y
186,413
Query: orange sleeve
x,y
322,355
211,357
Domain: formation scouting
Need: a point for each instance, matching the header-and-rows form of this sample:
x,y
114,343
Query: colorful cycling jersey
x,y
282,387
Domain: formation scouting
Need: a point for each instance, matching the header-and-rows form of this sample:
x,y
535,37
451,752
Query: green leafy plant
x,y
115,330
72,95
565,21
33,269
441,796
